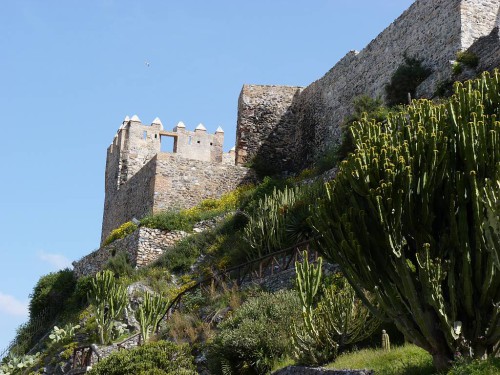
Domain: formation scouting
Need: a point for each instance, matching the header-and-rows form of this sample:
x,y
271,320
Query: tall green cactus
x,y
149,314
337,320
412,217
108,300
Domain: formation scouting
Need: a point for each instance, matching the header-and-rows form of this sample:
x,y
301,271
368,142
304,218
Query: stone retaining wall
x,y
143,247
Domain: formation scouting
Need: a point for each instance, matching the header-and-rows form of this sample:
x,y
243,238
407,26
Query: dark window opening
x,y
211,143
198,142
156,136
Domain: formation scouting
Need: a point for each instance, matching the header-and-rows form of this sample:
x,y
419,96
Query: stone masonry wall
x,y
430,30
133,199
143,247
183,183
266,124
169,181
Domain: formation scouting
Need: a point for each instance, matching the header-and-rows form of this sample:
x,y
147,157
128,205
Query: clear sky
x,y
70,71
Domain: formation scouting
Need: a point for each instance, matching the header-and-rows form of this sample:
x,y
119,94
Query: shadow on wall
x,y
268,139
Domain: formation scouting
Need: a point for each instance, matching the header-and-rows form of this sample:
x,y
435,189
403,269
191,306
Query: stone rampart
x,y
266,124
183,183
143,246
430,30
169,181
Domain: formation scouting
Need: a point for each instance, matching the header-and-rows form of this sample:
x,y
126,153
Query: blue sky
x,y
70,71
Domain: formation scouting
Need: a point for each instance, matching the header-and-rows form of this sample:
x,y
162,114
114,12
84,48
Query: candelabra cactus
x,y
149,314
413,214
108,299
337,320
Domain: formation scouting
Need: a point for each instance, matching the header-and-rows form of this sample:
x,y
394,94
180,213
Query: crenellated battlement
x,y
141,179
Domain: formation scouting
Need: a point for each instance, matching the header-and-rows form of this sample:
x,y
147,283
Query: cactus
x,y
412,217
149,314
339,319
108,299
386,343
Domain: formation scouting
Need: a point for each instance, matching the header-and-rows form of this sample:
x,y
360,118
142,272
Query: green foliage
x,y
168,220
160,357
149,314
491,366
51,290
405,80
262,167
457,68
122,231
17,365
405,360
63,335
280,220
108,299
120,265
180,257
256,336
407,219
468,58
338,320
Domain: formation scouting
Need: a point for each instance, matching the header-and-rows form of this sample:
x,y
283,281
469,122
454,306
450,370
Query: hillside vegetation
x,y
412,218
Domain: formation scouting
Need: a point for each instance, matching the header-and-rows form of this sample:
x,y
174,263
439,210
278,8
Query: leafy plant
x,y
256,336
160,357
63,334
107,299
121,232
120,265
407,219
149,314
405,80
16,365
468,58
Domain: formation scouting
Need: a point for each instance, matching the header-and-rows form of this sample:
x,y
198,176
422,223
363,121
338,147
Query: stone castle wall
x,y
266,124
169,181
143,246
183,183
430,30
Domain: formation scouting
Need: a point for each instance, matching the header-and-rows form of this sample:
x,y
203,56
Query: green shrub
x,y
256,335
120,265
467,58
169,220
491,366
405,360
51,290
456,68
160,357
180,257
405,80
262,167
120,232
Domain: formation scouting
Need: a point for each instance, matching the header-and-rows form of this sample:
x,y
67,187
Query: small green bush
x,y
160,357
405,360
120,265
467,58
491,366
180,257
120,232
256,336
168,220
456,68
405,80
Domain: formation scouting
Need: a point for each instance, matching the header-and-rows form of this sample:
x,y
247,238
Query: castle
x,y
288,127
140,179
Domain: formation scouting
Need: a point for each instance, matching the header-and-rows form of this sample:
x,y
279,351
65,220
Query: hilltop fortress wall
x,y
304,122
140,179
